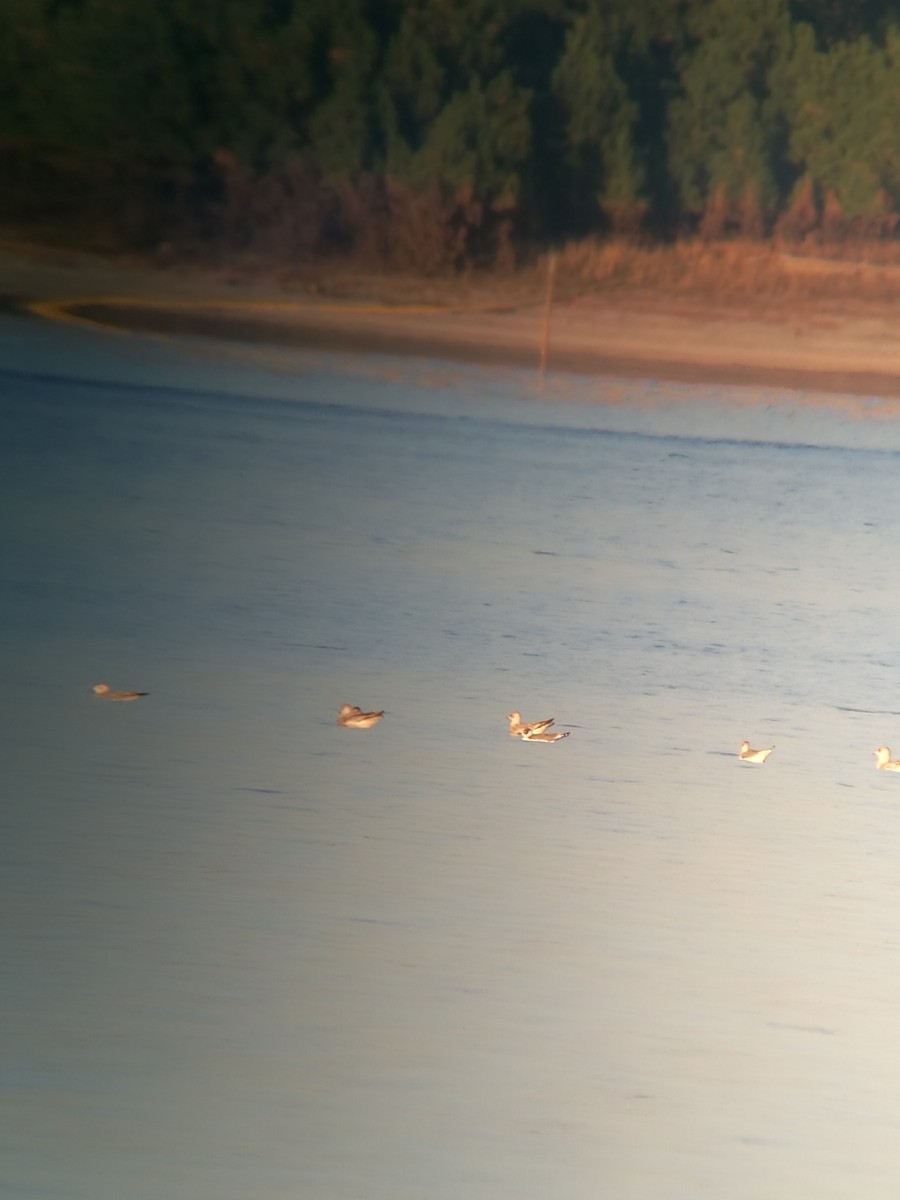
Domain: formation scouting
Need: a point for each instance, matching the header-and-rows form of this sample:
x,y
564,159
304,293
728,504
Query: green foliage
x,y
839,21
478,139
465,115
449,113
608,48
844,134
337,127
600,112
726,127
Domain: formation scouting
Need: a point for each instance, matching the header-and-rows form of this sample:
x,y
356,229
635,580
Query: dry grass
x,y
742,276
736,273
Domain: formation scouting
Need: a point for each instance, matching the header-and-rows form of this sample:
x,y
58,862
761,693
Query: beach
x,y
822,345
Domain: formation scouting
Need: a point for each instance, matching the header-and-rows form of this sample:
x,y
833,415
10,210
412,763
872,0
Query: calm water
x,y
252,956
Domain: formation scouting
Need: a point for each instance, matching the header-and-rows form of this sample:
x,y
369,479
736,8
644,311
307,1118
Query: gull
x,y
351,716
534,735
103,691
754,756
517,726
885,762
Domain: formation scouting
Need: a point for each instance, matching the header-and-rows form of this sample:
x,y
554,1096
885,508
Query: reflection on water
x,y
252,954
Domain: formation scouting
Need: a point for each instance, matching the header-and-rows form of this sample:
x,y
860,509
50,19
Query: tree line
x,y
438,133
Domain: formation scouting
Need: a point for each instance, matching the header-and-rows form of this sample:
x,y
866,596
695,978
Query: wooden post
x,y
548,303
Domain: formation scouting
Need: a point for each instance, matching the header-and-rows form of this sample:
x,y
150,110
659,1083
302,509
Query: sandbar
x,y
831,347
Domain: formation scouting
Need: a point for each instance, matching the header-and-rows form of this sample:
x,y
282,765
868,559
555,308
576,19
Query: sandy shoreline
x,y
706,355
855,350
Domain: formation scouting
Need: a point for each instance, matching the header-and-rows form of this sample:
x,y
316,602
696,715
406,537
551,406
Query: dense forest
x,y
437,133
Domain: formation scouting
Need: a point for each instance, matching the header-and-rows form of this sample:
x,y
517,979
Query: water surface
x,y
250,954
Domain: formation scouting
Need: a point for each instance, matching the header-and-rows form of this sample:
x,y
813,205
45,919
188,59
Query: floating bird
x,y
754,756
535,735
885,762
517,726
103,691
351,716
